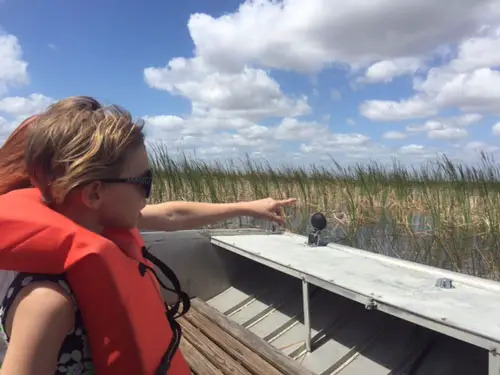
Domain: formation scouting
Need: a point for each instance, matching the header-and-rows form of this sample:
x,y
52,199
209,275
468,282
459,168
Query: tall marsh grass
x,y
443,213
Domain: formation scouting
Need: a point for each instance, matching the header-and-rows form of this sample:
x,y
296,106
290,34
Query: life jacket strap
x,y
173,312
182,296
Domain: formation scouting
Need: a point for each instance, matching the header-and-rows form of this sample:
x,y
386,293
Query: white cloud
x,y
207,125
478,146
447,128
477,52
238,140
388,110
8,126
307,36
357,149
292,129
414,153
413,149
167,125
16,109
4,127
394,135
448,134
229,79
496,129
475,91
250,93
348,139
165,122
385,70
207,135
337,143
468,119
377,152
255,131
470,82
214,150
227,140
351,122
450,128
22,107
429,125
14,73
13,69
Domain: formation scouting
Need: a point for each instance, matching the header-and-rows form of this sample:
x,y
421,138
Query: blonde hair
x,y
77,141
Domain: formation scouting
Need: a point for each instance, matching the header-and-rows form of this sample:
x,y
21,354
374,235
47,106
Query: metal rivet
x,y
444,283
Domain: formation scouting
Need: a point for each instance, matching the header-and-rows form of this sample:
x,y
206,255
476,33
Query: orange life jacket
x,y
130,329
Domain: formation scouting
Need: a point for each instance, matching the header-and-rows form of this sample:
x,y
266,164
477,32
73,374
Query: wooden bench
x,y
213,344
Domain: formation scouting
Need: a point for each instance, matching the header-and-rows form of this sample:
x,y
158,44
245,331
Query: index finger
x,y
287,202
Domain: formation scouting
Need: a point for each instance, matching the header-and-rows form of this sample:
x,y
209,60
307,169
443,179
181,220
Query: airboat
x,y
274,302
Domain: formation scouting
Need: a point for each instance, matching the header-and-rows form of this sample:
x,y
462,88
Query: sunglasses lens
x,y
147,188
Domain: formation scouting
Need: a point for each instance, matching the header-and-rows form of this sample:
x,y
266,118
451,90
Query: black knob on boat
x,y
318,221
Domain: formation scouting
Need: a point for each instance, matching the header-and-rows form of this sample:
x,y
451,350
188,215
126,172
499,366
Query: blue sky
x,y
282,80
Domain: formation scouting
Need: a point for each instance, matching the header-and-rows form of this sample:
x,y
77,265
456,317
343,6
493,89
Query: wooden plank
x,y
219,358
197,362
252,361
255,343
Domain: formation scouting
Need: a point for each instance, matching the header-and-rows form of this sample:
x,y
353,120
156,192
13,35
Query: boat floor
x,y
346,338
213,345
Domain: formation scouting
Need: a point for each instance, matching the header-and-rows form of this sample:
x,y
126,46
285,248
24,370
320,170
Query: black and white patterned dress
x,y
74,356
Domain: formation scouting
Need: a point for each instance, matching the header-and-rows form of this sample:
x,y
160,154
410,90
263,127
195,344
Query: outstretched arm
x,y
179,215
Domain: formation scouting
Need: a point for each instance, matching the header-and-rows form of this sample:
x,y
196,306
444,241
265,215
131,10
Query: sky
x,y
289,81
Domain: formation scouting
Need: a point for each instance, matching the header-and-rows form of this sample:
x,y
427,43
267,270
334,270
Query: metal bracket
x,y
371,304
493,363
307,316
444,283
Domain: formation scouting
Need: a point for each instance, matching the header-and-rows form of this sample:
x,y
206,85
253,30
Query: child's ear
x,y
92,194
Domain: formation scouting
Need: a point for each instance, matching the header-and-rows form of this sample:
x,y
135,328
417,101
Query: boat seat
x,y
213,344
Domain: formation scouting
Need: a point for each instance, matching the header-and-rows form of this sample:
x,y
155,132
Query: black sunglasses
x,y
145,181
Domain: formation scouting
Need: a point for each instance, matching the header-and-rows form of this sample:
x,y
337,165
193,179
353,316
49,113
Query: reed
x,y
443,213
